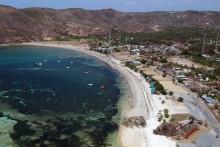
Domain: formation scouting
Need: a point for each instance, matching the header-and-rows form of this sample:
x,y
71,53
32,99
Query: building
x,y
180,74
135,52
135,62
182,77
209,100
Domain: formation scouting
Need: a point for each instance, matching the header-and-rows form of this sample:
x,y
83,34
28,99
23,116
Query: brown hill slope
x,y
19,25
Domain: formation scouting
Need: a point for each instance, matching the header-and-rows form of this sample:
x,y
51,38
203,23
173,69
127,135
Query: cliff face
x,y
20,25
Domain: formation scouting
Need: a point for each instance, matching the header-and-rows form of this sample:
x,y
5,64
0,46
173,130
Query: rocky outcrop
x,y
135,121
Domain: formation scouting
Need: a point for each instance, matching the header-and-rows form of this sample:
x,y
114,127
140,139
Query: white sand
x,y
143,103
156,140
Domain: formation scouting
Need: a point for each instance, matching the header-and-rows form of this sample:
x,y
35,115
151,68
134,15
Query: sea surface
x,y
58,97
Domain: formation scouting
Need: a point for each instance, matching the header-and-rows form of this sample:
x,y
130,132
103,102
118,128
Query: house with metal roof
x,y
209,100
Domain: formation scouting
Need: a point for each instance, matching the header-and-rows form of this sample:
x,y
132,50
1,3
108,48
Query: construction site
x,y
182,127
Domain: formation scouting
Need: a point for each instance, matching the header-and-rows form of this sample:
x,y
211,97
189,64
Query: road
x,y
202,106
209,115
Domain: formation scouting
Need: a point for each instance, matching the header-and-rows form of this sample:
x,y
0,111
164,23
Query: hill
x,y
22,25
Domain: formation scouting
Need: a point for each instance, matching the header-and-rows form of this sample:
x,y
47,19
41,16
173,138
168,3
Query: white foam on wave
x,y
29,68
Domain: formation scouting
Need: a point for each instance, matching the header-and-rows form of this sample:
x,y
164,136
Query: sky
x,y
121,5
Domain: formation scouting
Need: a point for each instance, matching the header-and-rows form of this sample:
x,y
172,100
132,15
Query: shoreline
x,y
115,140
133,95
136,100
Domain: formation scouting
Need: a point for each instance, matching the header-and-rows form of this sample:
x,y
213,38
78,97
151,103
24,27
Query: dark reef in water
x,y
60,106
61,133
21,129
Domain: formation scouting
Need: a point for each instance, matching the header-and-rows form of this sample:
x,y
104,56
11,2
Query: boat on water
x,y
40,64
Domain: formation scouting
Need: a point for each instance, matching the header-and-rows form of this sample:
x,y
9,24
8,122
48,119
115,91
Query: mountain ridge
x,y
34,24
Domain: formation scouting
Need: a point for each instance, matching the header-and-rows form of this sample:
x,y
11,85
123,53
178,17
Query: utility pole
x,y
127,39
203,44
109,36
216,44
204,38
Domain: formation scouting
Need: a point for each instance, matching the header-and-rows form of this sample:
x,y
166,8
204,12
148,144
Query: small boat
x,y
67,67
58,61
40,64
71,62
86,72
102,87
90,84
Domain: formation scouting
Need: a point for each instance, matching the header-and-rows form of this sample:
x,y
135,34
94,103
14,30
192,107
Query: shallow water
x,y
61,97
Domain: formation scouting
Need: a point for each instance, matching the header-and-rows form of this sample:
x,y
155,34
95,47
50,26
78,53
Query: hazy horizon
x,y
113,9
120,5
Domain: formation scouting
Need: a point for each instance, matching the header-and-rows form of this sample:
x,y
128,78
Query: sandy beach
x,y
140,102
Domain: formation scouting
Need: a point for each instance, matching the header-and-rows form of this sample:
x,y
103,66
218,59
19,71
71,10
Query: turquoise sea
x,y
58,97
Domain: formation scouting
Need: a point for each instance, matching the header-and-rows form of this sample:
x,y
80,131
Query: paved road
x,y
209,116
201,105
